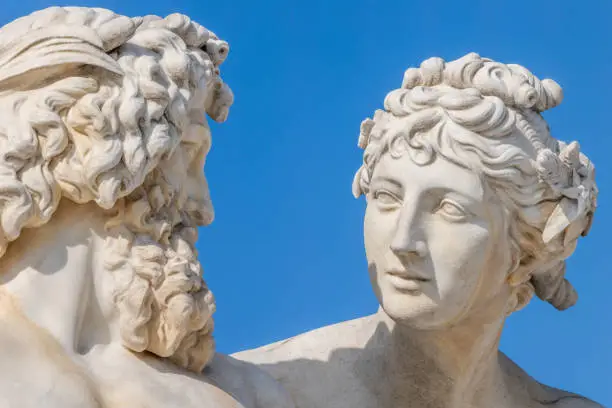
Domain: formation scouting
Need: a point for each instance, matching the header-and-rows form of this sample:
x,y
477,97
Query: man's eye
x,y
452,210
386,198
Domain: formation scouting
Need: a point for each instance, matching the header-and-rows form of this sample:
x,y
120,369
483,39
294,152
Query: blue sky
x,y
285,253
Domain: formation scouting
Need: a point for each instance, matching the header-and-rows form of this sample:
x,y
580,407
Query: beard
x,y
163,304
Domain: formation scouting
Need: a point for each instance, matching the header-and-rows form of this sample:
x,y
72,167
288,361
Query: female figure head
x,y
472,205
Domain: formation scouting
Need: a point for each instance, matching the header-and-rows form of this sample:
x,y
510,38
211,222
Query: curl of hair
x,y
484,116
88,134
513,84
164,304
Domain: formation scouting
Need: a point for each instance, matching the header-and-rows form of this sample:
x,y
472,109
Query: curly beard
x,y
163,303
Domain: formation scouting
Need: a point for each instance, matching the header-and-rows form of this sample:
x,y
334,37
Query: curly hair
x,y
104,108
485,116
164,304
87,133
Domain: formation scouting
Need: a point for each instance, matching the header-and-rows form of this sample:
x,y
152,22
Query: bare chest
x,y
36,374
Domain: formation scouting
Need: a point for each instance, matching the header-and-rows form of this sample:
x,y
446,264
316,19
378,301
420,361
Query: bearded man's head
x,y
110,109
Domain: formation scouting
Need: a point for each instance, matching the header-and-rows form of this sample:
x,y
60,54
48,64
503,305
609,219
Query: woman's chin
x,y
416,310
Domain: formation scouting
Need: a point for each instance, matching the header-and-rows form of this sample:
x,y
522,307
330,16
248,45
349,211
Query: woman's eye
x,y
452,210
386,198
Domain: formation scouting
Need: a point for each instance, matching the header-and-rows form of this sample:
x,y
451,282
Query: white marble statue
x,y
103,139
472,208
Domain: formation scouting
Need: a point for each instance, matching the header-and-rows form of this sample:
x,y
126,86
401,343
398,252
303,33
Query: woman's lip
x,y
405,284
406,281
407,275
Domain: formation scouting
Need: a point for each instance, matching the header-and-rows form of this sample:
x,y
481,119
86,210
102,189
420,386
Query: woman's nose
x,y
409,237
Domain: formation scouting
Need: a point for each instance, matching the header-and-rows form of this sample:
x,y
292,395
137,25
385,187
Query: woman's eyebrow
x,y
387,180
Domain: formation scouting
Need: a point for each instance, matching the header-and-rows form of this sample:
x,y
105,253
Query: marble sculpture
x,y
103,139
472,209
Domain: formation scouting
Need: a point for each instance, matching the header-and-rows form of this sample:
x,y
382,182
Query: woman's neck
x,y
452,368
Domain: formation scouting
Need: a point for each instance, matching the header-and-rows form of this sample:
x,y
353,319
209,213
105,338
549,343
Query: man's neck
x,y
47,271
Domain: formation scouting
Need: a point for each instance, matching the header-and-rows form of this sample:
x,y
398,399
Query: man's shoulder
x,y
247,383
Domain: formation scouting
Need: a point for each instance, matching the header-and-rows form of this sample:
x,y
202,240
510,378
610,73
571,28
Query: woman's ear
x,y
522,290
523,271
521,295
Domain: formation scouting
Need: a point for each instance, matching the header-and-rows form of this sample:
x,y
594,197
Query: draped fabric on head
x,y
549,184
60,37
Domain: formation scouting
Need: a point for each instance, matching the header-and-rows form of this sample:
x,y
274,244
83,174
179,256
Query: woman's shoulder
x,y
316,344
576,402
317,367
542,394
248,384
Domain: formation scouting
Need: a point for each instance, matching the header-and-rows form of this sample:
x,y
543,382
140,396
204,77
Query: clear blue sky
x,y
285,253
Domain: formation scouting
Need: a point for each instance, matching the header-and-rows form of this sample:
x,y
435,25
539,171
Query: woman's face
x,y
433,255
